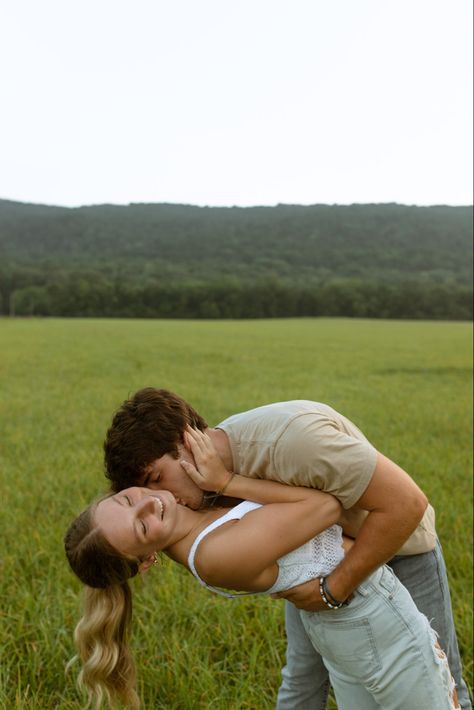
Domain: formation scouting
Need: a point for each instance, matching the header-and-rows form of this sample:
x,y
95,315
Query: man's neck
x,y
221,444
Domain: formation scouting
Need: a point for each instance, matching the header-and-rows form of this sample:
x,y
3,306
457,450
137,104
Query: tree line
x,y
89,296
179,261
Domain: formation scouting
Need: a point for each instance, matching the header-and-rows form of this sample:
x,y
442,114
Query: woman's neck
x,y
189,524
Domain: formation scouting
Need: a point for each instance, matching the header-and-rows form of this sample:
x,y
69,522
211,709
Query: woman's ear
x,y
148,562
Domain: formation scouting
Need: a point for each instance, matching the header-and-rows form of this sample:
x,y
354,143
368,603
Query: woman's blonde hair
x,y
101,636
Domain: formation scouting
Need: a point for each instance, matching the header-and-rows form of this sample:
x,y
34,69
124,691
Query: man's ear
x,y
185,445
147,563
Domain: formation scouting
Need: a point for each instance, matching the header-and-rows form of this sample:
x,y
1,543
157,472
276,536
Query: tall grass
x,y
406,384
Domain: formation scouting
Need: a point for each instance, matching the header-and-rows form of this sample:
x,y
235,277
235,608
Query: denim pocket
x,y
347,645
388,580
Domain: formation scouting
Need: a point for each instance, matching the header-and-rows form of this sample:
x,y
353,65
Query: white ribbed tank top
x,y
315,558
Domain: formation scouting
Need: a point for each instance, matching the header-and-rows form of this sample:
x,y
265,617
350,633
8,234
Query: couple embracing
x,y
289,499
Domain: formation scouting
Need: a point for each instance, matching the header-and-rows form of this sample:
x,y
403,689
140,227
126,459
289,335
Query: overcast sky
x,y
247,102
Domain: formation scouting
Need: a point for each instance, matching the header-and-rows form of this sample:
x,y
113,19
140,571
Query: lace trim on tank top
x,y
315,558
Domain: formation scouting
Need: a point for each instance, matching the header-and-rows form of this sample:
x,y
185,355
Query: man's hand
x,y
209,473
305,596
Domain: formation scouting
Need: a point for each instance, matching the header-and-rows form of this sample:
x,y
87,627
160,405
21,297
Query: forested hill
x,y
184,261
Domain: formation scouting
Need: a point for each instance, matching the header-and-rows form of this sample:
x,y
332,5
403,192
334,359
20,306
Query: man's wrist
x,y
338,588
326,595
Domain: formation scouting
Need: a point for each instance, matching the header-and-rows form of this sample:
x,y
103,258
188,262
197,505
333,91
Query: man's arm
x,y
396,506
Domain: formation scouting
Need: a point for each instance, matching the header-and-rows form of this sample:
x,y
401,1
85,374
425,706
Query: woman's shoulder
x,y
230,555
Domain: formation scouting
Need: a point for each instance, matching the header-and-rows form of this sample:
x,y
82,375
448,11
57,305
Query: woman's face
x,y
137,521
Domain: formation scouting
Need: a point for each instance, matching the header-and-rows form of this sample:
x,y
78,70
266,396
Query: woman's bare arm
x,y
242,554
210,474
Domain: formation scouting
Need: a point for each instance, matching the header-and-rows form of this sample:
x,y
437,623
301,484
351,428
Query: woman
x,y
379,650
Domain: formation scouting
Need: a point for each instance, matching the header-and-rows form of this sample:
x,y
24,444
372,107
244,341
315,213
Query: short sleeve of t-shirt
x,y
313,451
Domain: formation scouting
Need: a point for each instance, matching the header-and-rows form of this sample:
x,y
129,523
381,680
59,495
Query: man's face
x,y
166,473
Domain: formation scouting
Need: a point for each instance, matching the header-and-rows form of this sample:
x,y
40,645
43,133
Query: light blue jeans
x,y
305,681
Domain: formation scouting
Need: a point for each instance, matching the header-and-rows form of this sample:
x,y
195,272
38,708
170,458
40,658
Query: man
x,y
310,444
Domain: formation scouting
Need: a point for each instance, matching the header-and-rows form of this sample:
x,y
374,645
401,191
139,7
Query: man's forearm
x,y
395,506
378,540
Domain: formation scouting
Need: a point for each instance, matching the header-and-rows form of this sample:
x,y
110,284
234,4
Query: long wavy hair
x,y
101,636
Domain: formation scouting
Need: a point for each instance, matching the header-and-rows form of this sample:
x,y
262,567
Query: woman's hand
x,y
209,473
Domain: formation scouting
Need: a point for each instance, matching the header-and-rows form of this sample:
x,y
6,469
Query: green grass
x,y
406,384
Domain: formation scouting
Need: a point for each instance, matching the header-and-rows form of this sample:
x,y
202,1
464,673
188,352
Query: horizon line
x,y
233,206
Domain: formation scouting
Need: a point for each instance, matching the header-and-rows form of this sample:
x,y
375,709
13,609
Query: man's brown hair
x,y
146,427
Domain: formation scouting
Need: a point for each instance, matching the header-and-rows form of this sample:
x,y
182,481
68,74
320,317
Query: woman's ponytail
x,y
101,636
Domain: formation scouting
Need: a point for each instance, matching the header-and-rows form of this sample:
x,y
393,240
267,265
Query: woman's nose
x,y
146,504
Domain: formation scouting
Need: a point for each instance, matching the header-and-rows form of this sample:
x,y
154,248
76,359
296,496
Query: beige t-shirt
x,y
310,444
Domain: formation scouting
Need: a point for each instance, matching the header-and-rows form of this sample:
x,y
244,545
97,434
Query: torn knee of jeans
x,y
448,680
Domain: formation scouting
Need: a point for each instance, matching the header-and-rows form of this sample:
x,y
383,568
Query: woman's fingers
x,y
195,438
191,470
200,443
192,443
209,471
196,476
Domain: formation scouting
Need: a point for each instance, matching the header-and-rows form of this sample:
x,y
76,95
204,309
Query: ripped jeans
x,y
380,651
305,682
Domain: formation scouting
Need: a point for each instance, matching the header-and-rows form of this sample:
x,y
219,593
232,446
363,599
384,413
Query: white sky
x,y
244,102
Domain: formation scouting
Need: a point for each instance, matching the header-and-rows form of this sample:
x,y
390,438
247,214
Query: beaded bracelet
x,y
329,594
325,593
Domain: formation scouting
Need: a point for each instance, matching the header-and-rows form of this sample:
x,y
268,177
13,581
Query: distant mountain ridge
x,y
283,239
167,246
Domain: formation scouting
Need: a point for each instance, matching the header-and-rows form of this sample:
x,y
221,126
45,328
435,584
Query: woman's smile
x,y
137,521
161,506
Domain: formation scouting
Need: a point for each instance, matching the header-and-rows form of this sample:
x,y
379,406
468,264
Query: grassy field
x,y
406,384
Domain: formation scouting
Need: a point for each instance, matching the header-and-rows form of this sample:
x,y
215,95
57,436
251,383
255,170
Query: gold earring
x,y
156,558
